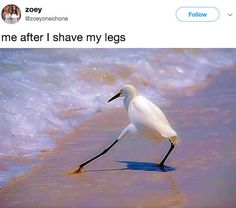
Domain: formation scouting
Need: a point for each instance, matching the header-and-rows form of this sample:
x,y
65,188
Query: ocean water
x,y
45,93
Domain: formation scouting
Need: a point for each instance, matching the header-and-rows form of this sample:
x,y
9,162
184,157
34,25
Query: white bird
x,y
146,119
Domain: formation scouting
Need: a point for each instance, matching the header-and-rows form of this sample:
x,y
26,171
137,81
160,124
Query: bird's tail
x,y
175,140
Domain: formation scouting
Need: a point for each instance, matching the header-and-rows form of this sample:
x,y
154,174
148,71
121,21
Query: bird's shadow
x,y
146,166
141,166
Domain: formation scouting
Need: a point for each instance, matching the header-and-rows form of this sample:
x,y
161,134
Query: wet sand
x,y
200,172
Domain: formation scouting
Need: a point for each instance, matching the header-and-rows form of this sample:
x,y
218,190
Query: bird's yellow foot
x,y
79,170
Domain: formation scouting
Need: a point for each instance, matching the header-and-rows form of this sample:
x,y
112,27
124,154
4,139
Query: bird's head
x,y
126,91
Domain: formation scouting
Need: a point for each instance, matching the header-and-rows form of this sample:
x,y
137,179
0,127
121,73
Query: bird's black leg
x,y
166,156
102,153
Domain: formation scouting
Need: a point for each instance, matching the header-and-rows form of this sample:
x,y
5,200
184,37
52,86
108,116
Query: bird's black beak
x,y
114,97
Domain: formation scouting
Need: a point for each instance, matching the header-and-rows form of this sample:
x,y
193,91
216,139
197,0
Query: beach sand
x,y
201,170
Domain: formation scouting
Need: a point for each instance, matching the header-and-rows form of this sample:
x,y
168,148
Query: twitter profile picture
x,y
11,14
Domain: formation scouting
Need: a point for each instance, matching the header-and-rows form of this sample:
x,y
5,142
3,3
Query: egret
x,y
146,119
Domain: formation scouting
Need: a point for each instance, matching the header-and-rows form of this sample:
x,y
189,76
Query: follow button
x,y
197,14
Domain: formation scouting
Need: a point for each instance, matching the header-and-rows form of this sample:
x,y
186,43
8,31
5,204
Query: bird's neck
x,y
128,99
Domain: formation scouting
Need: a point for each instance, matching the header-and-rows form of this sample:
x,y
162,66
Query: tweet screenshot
x,y
117,104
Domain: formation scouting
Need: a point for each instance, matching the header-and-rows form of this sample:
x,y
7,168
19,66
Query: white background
x,y
145,23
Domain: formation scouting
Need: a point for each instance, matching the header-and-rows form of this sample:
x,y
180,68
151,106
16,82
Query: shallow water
x,y
44,93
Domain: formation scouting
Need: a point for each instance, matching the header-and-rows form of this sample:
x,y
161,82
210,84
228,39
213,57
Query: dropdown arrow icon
x,y
230,14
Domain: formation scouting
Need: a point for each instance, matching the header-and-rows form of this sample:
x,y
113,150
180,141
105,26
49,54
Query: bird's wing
x,y
143,113
157,111
144,103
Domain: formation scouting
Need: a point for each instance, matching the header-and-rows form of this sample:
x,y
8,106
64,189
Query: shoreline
x,y
127,172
